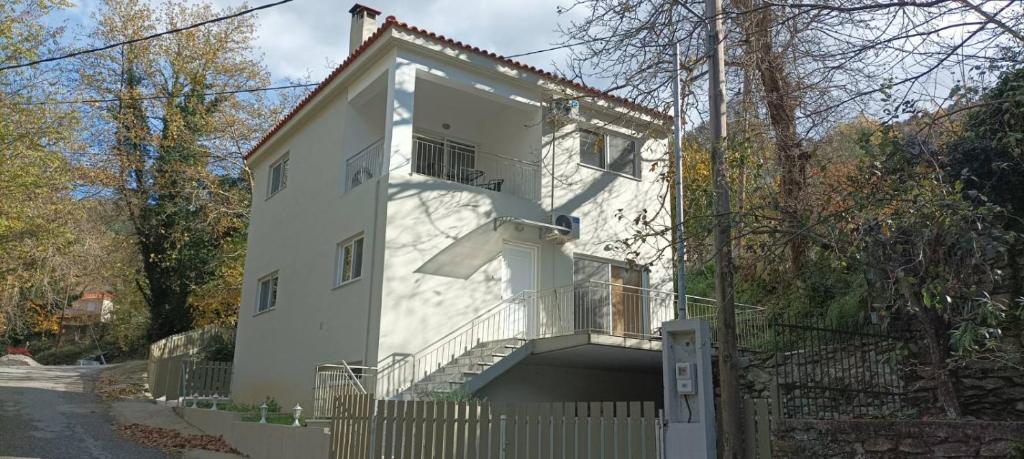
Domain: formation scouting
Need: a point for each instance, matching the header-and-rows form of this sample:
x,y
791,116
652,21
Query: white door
x,y
519,274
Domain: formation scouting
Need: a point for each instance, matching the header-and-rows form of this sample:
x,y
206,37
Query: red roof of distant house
x,y
391,21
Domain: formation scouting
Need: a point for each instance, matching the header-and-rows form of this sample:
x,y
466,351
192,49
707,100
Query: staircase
x,y
450,377
447,364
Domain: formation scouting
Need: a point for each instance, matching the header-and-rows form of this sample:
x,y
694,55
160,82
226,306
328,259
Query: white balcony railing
x,y
336,379
585,307
463,163
365,165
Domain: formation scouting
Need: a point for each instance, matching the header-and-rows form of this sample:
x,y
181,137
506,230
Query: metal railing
x,y
336,379
599,307
365,165
753,326
505,320
829,373
584,307
463,163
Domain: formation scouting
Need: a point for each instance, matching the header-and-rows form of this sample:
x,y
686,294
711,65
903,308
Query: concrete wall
x,y
295,232
259,441
424,216
599,197
543,383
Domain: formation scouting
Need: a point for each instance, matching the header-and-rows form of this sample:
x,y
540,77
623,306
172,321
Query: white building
x,y
402,216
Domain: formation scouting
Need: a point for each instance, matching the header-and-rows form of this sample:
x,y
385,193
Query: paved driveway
x,y
50,412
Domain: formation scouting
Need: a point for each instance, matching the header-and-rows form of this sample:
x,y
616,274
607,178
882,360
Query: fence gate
x,y
167,356
205,378
366,428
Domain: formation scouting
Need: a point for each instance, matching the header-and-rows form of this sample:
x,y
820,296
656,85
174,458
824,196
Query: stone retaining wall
x,y
896,439
988,390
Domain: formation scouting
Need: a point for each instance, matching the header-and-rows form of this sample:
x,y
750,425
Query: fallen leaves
x,y
108,389
123,381
169,439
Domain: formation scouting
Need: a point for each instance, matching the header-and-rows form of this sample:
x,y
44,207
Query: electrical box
x,y
686,383
689,391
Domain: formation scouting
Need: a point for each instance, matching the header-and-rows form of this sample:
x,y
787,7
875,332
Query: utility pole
x,y
728,368
677,125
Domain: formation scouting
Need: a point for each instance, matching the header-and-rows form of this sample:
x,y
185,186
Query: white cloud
x,y
303,36
307,38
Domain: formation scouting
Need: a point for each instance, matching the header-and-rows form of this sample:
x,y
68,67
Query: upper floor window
x,y
349,265
278,179
612,152
267,298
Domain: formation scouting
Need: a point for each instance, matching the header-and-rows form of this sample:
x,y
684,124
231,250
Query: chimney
x,y
364,24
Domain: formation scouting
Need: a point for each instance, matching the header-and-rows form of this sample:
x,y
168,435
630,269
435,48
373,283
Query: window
x,y
267,298
611,152
349,264
278,176
592,149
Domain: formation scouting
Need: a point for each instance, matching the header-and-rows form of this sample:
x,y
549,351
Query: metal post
x,y
504,443
677,123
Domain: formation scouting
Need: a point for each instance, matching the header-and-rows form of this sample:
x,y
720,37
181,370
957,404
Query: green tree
x,y
927,253
988,159
37,206
175,150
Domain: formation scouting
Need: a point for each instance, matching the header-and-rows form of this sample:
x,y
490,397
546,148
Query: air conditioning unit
x,y
566,108
568,228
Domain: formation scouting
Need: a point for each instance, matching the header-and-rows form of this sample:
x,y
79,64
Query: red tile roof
x,y
390,22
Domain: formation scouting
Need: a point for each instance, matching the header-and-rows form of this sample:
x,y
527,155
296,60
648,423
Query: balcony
x,y
462,162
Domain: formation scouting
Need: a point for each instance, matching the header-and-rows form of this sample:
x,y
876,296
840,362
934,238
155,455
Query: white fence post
x,y
504,443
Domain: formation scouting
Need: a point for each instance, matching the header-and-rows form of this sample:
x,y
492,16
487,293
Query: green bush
x,y
68,354
220,348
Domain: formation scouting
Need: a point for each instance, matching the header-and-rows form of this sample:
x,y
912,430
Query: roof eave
x,y
385,31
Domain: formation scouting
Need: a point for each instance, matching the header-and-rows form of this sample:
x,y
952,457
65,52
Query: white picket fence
x,y
164,368
363,427
201,378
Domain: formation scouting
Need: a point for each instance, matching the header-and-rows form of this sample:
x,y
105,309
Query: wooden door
x,y
627,301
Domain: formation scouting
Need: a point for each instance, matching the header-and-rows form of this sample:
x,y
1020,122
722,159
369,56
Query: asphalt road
x,y
51,412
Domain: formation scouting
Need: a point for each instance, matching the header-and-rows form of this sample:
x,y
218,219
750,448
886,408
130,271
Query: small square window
x,y
278,179
622,155
267,298
349,264
610,152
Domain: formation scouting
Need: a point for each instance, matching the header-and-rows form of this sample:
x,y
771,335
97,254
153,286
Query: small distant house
x,y
92,307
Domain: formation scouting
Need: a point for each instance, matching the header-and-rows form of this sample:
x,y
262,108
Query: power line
x,y
148,37
129,99
567,45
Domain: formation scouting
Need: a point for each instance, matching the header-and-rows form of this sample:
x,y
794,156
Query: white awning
x,y
470,252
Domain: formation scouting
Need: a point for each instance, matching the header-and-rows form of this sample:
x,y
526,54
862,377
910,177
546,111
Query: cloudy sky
x,y
306,38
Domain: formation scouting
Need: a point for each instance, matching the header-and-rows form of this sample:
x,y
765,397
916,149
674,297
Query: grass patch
x,y
251,412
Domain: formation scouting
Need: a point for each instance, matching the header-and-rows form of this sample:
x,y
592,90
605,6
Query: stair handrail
x,y
399,371
387,388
